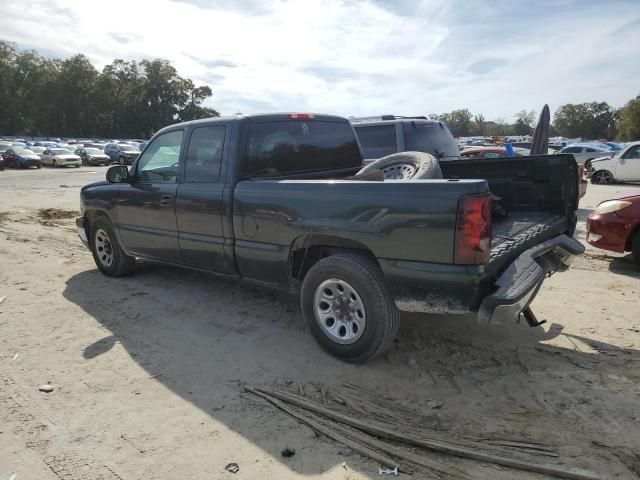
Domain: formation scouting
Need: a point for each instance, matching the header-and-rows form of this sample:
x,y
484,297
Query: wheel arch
x,y
306,250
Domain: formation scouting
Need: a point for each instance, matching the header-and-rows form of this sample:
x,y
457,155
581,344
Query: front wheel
x,y
107,252
55,164
348,307
602,177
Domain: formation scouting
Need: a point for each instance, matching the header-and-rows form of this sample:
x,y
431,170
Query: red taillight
x,y
300,116
473,230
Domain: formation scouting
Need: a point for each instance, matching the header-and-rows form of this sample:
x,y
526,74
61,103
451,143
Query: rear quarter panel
x,y
411,221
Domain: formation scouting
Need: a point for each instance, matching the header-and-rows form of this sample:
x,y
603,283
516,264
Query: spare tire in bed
x,y
406,166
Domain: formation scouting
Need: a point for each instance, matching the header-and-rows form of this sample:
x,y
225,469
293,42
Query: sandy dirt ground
x,y
149,370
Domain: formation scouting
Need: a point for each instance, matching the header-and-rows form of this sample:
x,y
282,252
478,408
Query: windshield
x,y
128,148
93,151
431,137
60,151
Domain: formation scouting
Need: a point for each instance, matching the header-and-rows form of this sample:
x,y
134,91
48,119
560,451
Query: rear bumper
x,y
521,281
82,231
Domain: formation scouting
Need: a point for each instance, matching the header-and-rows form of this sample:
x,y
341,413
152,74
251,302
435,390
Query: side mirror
x,y
118,174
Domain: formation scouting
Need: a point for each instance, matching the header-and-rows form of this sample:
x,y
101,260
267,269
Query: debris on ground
x,y
372,431
219,407
46,388
232,467
49,217
288,452
3,298
15,357
434,404
388,471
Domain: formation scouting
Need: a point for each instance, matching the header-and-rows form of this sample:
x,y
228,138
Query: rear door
x,y
146,206
628,165
200,201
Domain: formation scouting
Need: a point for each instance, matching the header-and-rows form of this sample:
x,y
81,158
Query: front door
x,y
628,166
200,202
146,207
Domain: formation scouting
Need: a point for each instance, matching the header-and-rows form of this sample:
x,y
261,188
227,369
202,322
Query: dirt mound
x,y
56,214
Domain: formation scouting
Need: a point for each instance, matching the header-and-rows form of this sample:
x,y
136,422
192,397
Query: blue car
x,y
21,158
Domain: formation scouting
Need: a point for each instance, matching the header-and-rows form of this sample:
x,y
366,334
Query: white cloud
x,y
358,57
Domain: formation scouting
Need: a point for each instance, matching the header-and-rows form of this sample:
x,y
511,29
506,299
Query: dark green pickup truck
x,y
275,199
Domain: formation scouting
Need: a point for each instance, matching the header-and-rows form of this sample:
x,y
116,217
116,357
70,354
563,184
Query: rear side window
x,y
204,154
573,150
295,146
377,141
433,138
590,150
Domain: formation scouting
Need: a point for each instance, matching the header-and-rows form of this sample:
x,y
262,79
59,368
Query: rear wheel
x,y
55,164
107,252
602,177
348,307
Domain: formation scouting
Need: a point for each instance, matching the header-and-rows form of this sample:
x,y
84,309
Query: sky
x,y
360,58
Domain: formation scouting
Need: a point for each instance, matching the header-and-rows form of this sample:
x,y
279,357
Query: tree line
x,y
591,120
70,98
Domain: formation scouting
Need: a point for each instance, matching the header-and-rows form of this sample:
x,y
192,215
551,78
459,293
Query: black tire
x,y
406,166
635,247
54,164
382,316
121,263
602,177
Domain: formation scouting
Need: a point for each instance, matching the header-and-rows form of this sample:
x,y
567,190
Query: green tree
x,y
193,109
628,124
525,122
586,120
479,125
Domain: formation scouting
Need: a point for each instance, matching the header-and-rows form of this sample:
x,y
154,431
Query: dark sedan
x,y
92,156
21,158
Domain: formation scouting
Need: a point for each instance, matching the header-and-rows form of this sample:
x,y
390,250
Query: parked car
x,y
389,134
277,199
490,152
122,153
585,153
37,150
4,146
92,156
21,158
60,157
615,225
623,166
45,144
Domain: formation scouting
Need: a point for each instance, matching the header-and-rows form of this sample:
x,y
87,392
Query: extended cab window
x,y
377,140
297,146
204,154
160,160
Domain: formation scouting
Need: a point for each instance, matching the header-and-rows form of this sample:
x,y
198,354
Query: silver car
x,y
60,157
584,153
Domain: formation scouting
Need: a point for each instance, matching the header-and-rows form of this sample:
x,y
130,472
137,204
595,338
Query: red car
x,y
615,225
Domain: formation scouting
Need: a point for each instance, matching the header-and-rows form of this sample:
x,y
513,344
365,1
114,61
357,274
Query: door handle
x,y
165,201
